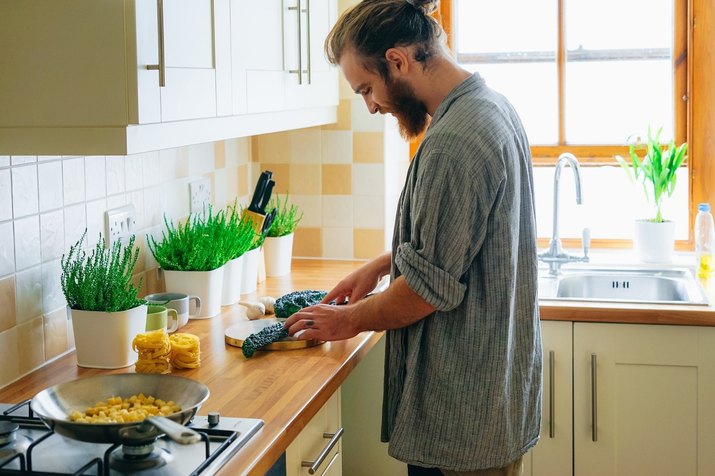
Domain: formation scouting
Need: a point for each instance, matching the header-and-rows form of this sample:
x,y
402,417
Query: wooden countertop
x,y
287,388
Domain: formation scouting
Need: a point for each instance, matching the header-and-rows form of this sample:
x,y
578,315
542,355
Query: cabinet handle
x,y
551,394
307,34
299,71
594,400
160,31
314,465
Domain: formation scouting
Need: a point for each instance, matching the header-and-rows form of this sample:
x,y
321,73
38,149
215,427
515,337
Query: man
x,y
463,356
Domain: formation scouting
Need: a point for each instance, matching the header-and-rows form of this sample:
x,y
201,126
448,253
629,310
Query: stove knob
x,y
213,418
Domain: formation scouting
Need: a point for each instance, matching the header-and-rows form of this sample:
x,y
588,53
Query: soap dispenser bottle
x,y
704,240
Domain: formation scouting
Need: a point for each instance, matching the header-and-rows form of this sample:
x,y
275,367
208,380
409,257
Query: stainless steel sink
x,y
656,286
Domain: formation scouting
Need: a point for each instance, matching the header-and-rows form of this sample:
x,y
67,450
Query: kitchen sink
x,y
637,285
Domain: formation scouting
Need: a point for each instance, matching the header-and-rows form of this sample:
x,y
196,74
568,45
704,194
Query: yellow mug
x,y
157,317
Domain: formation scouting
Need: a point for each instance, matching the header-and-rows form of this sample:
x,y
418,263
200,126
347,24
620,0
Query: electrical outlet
x,y
119,223
200,194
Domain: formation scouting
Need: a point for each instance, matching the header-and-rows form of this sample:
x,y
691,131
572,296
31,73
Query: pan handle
x,y
174,430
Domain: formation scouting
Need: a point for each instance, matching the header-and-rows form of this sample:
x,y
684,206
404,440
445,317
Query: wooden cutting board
x,y
237,333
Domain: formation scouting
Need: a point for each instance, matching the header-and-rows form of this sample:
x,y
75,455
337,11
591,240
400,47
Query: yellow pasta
x,y
185,352
125,410
154,349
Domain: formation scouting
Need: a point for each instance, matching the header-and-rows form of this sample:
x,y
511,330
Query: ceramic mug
x,y
157,317
178,302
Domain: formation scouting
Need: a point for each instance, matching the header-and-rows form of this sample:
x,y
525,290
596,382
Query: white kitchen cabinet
x,y
553,454
315,440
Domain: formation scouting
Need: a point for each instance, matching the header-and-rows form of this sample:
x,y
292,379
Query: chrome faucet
x,y
555,256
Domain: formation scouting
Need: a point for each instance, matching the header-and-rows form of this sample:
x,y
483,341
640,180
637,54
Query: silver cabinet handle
x,y
594,399
299,71
551,394
307,34
160,31
334,438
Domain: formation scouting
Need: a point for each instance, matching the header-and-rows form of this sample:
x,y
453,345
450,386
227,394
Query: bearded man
x,y
463,357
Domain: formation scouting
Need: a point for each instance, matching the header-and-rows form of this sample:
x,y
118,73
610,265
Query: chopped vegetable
x,y
293,302
265,336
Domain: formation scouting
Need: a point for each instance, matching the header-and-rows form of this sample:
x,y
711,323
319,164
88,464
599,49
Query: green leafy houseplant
x,y
240,235
656,171
287,217
102,279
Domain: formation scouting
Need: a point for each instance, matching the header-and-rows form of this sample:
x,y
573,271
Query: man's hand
x,y
321,322
357,284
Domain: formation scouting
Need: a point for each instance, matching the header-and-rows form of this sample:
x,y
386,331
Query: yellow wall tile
x,y
242,179
344,117
281,175
368,147
308,242
337,179
305,179
368,243
219,154
7,298
30,345
55,333
273,148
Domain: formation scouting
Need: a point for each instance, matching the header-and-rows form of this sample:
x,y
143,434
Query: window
x,y
586,77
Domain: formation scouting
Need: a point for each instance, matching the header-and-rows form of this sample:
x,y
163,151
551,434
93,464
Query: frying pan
x,y
54,404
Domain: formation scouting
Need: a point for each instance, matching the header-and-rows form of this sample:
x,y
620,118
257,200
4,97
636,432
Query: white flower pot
x,y
249,274
654,242
207,285
279,251
104,339
232,281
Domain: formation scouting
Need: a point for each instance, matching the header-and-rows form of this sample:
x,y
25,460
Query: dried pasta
x,y
125,410
154,349
185,353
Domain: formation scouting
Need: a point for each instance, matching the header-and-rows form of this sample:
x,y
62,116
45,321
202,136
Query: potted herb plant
x,y
249,275
239,236
102,302
192,257
654,237
278,247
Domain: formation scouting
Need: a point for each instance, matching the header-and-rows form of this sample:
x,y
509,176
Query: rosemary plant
x,y
102,279
287,217
239,232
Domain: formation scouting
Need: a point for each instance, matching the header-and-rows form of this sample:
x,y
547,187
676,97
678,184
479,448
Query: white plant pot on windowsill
x,y
103,340
654,242
278,251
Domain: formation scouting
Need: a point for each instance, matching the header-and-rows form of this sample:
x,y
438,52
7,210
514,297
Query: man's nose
x,y
371,106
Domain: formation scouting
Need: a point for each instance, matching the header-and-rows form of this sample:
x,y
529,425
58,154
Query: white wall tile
x,y
219,195
202,158
134,172
95,177
4,161
116,201
52,235
169,163
175,199
5,195
23,159
75,224
312,208
48,158
368,179
28,294
95,220
337,147
338,210
27,242
136,198
362,120
73,180
153,213
115,175
52,296
338,242
24,190
7,249
51,187
151,169
369,212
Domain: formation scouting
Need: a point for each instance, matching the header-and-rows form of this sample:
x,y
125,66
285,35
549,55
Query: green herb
x,y
286,219
102,280
258,242
239,233
657,170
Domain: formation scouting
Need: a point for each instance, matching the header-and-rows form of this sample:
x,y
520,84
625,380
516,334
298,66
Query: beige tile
x,y
337,242
152,282
281,175
273,148
305,179
138,280
182,163
7,298
337,179
55,330
30,345
311,206
368,179
344,117
9,370
368,147
306,146
219,154
368,243
337,147
242,173
308,242
369,212
338,210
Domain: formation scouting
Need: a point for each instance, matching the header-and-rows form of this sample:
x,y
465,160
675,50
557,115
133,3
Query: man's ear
x,y
398,60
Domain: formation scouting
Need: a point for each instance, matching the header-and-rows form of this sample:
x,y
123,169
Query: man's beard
x,y
410,112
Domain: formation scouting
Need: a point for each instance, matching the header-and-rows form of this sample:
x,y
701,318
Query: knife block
x,y
256,219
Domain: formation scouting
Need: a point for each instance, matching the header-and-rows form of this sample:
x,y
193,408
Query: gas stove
x,y
28,447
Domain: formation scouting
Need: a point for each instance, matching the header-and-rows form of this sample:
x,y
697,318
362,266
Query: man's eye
x,y
365,91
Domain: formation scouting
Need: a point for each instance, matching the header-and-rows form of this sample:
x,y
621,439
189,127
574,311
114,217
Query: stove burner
x,y
130,458
7,432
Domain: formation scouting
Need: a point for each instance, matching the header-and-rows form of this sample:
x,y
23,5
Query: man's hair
x,y
373,26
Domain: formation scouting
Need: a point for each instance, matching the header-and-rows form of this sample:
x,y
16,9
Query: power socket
x,y
119,223
200,195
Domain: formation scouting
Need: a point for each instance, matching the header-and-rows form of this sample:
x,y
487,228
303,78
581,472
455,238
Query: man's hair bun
x,y
427,6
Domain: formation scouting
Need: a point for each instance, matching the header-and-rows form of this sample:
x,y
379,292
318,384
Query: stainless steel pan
x,y
54,405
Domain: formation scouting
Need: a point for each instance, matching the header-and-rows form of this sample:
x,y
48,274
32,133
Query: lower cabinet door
x,y
335,468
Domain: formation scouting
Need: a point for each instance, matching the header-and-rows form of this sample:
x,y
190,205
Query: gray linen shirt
x,y
463,385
